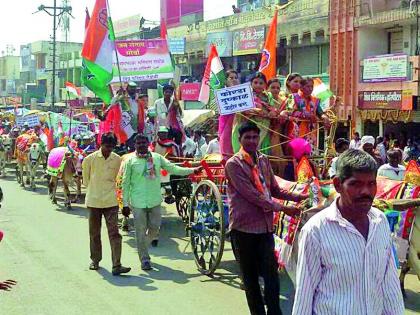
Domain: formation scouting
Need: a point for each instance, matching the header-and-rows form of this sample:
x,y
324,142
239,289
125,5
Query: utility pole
x,y
55,12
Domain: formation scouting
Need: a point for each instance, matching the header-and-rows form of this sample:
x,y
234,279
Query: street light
x,y
55,12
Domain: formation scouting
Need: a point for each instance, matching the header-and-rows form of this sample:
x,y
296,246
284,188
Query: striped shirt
x,y
339,272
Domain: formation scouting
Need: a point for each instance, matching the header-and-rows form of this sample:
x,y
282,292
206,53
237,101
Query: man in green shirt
x,y
142,193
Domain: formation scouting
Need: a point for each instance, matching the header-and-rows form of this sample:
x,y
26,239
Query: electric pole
x,y
55,12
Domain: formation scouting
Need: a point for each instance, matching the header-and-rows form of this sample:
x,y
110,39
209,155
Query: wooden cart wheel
x,y
183,198
207,227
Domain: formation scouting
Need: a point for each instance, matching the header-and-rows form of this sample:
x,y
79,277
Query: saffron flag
x,y
97,52
214,76
269,55
72,89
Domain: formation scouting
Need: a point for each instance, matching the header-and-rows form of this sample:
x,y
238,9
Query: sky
x,y
18,24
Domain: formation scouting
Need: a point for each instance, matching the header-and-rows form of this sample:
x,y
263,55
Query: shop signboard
x,y
248,40
143,60
127,26
238,98
176,45
396,100
385,68
190,91
223,42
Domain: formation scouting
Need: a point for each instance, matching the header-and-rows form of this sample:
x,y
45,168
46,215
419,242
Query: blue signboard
x,y
177,45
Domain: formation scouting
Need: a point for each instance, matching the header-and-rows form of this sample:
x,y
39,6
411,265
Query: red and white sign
x,y
190,91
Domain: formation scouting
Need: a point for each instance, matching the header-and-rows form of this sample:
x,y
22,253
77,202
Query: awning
x,y
194,117
386,115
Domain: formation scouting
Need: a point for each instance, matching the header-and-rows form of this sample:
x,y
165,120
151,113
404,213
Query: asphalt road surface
x,y
46,250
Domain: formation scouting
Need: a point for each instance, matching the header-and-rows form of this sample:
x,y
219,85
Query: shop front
x,y
393,113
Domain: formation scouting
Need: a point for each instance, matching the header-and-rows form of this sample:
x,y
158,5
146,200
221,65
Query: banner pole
x,y
112,38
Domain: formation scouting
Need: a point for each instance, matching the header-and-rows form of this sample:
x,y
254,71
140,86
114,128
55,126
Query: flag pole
x,y
112,38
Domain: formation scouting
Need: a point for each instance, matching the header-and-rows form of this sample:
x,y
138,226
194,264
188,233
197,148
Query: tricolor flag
x,y
72,89
97,52
269,55
214,76
322,92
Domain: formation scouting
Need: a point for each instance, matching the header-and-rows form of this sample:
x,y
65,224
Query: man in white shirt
x,y
341,145
203,148
189,146
392,170
345,262
380,148
164,107
213,146
355,143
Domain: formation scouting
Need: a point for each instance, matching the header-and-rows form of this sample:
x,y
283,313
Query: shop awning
x,y
194,117
386,115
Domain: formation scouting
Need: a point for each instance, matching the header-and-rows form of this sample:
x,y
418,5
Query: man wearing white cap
x,y
367,144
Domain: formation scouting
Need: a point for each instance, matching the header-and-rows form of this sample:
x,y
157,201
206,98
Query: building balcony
x,y
411,84
384,12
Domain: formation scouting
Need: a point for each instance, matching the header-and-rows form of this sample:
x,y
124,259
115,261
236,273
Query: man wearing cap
x,y
367,144
169,114
165,146
151,128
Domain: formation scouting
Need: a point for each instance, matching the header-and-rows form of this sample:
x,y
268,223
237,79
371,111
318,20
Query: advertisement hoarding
x,y
385,68
176,45
248,40
396,100
223,42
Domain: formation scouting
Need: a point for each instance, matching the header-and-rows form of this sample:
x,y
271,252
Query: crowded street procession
x,y
246,156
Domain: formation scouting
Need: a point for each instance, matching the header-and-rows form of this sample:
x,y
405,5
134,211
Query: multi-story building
x,y
9,75
303,44
375,65
68,66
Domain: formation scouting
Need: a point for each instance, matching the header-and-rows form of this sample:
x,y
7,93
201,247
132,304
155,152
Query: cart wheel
x,y
207,227
184,191
182,208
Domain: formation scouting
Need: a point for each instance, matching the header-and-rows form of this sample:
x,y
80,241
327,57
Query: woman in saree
x,y
277,124
226,121
303,114
260,114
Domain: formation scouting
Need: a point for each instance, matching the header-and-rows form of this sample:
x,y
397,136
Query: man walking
x,y
142,193
345,262
251,186
100,171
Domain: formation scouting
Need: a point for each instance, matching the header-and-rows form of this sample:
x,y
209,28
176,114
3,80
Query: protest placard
x,y
234,99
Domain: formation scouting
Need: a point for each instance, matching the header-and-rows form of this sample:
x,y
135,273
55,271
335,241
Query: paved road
x,y
46,249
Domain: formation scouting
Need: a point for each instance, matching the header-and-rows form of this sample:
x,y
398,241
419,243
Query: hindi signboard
x,y
396,100
385,68
32,120
190,91
234,99
248,41
176,45
143,60
223,42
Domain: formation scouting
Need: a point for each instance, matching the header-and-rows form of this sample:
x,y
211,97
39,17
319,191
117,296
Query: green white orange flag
x,y
269,53
214,76
322,92
97,52
72,89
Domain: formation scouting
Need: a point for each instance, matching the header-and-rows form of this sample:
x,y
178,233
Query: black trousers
x,y
255,255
